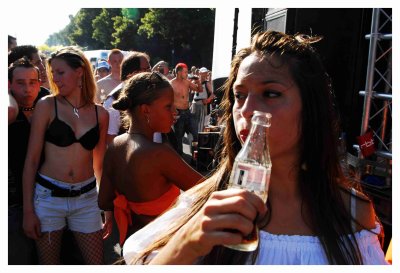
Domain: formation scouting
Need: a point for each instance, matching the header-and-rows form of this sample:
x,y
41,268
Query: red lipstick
x,y
243,134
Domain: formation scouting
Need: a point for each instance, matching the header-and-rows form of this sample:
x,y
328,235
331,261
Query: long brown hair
x,y
321,182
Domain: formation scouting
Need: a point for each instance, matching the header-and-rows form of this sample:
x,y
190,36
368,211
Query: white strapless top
x,y
274,249
298,249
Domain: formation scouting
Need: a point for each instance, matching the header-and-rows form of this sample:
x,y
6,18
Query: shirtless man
x,y
108,83
182,87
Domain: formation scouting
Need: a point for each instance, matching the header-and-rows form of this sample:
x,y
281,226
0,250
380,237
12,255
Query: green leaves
x,y
188,33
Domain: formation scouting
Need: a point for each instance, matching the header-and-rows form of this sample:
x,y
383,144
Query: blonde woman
x,y
61,191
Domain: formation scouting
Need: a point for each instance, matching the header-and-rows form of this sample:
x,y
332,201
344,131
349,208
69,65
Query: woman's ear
x,y
144,109
79,71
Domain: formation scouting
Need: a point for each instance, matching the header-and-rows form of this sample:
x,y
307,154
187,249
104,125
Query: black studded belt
x,y
61,192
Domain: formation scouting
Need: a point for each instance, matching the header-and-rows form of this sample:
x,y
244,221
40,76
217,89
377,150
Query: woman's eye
x,y
59,73
240,96
271,94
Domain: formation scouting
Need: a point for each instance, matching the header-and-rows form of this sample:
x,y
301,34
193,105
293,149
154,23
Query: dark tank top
x,y
60,133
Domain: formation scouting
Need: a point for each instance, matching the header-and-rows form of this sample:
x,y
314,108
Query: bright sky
x,y
38,30
38,19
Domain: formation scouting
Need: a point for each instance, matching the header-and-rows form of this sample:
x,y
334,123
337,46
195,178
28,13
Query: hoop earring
x,y
148,120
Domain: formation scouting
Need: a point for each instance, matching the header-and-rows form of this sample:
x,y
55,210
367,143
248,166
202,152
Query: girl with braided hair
x,y
141,178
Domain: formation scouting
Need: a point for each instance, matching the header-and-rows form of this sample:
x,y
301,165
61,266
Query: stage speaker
x,y
208,139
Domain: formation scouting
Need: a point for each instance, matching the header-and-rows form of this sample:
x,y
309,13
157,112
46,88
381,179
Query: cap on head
x,y
203,70
103,64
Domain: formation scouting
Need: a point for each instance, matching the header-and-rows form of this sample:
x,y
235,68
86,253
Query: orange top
x,y
123,208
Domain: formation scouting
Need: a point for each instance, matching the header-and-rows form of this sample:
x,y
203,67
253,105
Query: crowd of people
x,y
97,156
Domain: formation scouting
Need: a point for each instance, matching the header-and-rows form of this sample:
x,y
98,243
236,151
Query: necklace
x,y
134,133
75,109
27,108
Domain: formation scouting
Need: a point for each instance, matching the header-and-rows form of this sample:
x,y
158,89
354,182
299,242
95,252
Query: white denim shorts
x,y
80,213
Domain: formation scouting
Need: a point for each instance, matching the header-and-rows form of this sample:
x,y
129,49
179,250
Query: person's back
x,y
137,168
141,179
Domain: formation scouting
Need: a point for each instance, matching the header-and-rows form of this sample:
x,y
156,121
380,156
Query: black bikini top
x,y
60,133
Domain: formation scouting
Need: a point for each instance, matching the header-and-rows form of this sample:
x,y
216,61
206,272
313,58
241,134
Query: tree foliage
x,y
83,34
103,27
126,26
132,14
170,34
180,24
189,32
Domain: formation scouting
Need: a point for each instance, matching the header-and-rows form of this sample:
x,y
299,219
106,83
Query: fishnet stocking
x,y
49,247
91,246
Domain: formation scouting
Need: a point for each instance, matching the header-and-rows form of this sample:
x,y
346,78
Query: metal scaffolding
x,y
379,84
377,110
377,115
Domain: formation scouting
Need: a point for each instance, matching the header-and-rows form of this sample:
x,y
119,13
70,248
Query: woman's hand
x,y
225,219
31,225
108,224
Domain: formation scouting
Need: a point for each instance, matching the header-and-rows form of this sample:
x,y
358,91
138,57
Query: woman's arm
x,y
231,209
106,189
40,119
106,193
364,209
185,178
100,149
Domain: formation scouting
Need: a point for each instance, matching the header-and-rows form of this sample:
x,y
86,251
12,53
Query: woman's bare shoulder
x,y
365,213
162,151
118,142
45,101
101,109
44,108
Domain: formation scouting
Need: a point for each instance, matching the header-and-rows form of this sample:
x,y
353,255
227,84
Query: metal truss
x,y
377,110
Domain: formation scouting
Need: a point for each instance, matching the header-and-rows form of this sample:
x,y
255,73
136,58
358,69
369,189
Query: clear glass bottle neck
x,y
256,147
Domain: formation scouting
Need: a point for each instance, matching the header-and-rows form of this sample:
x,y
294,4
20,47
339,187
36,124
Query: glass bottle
x,y
252,170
